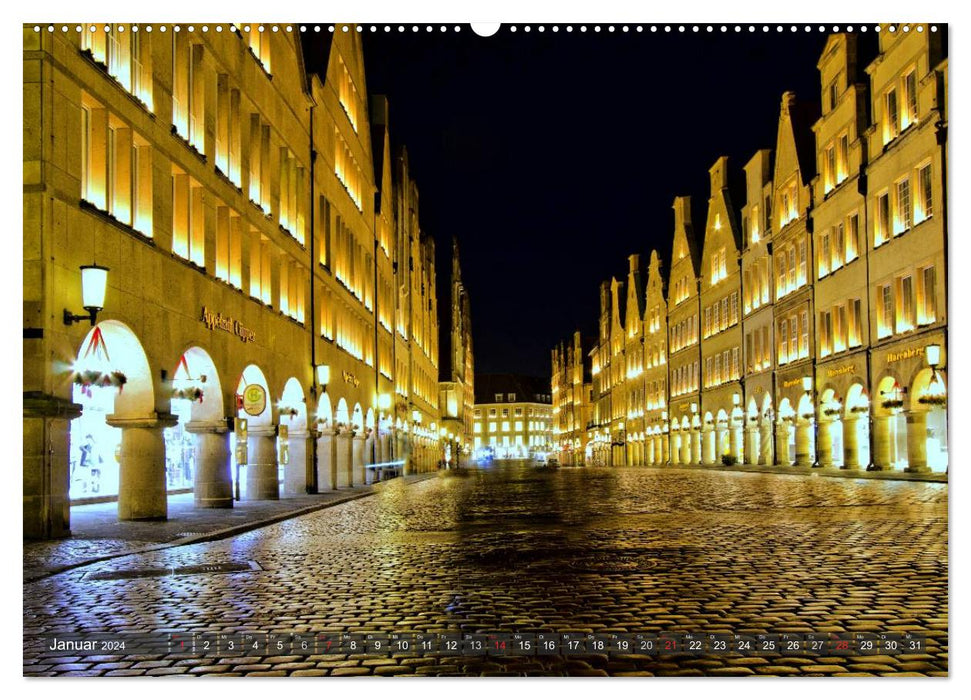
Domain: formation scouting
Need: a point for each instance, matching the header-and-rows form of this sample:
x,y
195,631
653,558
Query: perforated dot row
x,y
401,28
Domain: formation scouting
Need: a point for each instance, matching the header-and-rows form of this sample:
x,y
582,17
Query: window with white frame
x,y
125,52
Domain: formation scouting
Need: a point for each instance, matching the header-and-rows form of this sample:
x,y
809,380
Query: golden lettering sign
x,y
228,324
351,379
904,354
843,369
792,382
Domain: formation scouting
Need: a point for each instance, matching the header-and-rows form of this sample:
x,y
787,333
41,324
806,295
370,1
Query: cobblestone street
x,y
635,550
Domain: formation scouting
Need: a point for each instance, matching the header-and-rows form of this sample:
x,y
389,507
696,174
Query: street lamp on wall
x,y
807,384
323,376
933,355
94,283
384,402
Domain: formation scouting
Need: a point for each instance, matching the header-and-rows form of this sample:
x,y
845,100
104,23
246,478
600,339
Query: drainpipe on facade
x,y
311,470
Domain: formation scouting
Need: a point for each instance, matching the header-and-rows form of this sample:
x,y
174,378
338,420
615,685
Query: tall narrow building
x,y
841,286
795,167
634,364
684,358
655,363
757,317
721,328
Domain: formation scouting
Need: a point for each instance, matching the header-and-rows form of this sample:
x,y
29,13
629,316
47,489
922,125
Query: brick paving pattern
x,y
632,550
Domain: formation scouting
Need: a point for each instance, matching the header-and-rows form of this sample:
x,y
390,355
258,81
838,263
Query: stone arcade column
x,y
664,441
709,449
685,447
881,442
851,442
824,450
214,479
326,460
47,465
736,445
804,458
262,472
345,476
766,444
696,444
357,454
782,443
917,441
295,471
751,443
141,486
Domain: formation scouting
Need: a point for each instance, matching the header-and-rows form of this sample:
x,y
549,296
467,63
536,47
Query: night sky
x,y
552,157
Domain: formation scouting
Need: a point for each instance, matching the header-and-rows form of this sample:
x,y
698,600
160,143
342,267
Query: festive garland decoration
x,y
932,400
192,393
89,378
831,412
893,403
859,409
288,411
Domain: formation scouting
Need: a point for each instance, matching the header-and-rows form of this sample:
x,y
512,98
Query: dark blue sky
x,y
552,157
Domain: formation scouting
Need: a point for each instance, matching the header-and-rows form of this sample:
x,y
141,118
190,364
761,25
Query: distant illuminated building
x,y
512,417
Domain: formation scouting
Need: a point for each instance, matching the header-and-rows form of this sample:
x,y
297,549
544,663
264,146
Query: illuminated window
x,y
783,341
477,428
881,231
519,426
125,54
257,38
754,224
345,167
823,255
791,275
188,218
842,158
884,311
116,167
839,328
229,246
925,198
852,237
891,116
259,163
259,270
291,195
188,90
228,136
909,113
839,246
825,333
347,94
905,304
829,168
505,426
926,296
492,426
854,327
794,350
903,214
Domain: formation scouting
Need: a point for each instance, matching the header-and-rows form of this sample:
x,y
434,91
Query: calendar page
x,y
414,349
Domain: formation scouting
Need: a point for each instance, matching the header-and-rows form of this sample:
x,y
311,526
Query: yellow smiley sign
x,y
254,399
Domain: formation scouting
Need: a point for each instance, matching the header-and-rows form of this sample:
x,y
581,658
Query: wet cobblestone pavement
x,y
632,550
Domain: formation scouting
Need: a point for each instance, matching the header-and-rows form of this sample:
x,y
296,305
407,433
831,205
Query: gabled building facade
x,y
757,304
655,363
721,328
684,336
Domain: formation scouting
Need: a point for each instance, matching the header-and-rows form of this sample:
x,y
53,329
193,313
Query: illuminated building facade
x,y
719,434
633,364
457,371
512,417
811,330
571,394
684,330
241,196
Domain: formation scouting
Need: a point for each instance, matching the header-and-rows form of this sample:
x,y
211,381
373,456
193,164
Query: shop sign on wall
x,y
228,324
254,399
